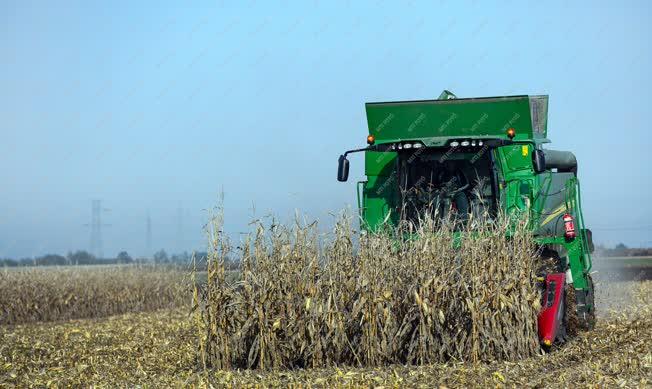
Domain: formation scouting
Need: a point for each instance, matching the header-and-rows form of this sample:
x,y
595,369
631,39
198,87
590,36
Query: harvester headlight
x,y
455,143
472,143
479,143
465,143
407,146
417,145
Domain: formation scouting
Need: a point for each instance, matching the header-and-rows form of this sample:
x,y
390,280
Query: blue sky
x,y
158,107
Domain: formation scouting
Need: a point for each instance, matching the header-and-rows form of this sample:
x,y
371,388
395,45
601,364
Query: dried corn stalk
x,y
385,299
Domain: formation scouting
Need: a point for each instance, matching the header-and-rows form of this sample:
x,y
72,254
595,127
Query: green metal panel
x,y
516,176
379,163
380,193
518,157
378,200
436,121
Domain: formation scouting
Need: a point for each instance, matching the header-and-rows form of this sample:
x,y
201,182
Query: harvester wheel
x,y
562,332
571,318
588,321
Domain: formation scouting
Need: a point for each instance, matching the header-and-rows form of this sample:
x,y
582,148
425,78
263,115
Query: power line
x,y
97,244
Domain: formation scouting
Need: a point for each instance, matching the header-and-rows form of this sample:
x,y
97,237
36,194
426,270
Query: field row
x,y
63,293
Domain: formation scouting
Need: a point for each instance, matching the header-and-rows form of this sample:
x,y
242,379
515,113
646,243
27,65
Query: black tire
x,y
588,320
562,332
576,321
572,320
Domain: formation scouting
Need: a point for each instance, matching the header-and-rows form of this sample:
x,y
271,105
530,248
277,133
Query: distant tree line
x,y
621,250
82,257
161,257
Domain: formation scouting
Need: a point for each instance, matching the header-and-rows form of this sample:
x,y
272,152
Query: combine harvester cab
x,y
482,156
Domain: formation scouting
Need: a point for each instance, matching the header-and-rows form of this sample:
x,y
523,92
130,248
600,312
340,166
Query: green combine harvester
x,y
479,156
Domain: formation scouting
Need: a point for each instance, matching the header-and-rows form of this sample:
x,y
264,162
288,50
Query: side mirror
x,y
342,169
539,161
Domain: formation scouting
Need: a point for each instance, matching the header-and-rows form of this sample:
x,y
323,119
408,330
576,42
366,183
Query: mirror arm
x,y
353,151
383,147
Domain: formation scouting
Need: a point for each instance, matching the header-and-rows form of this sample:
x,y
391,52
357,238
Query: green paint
x,y
435,121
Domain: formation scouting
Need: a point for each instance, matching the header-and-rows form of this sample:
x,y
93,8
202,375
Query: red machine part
x,y
552,311
569,227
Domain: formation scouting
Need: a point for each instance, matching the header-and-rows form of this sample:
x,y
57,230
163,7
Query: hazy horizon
x,y
158,108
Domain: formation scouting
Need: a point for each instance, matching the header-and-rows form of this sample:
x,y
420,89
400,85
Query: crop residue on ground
x,y
159,349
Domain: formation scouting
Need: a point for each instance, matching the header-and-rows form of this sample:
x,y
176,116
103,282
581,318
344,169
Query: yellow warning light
x,y
371,139
511,133
547,342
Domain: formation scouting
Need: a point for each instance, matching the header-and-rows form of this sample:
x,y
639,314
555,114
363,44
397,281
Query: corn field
x,y
411,295
49,294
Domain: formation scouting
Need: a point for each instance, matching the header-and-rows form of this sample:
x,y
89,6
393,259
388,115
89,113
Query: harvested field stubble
x,y
47,294
157,349
385,301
